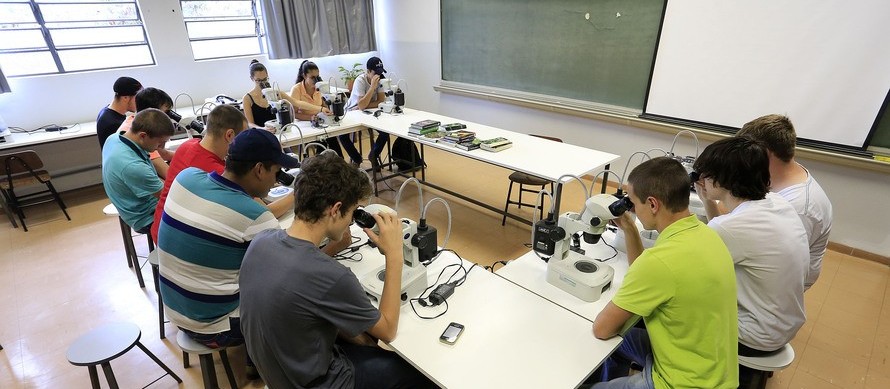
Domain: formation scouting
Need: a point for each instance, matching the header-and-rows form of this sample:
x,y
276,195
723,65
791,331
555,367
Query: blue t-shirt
x,y
130,181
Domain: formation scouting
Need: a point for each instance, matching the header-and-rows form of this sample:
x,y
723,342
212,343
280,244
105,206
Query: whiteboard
x,y
824,64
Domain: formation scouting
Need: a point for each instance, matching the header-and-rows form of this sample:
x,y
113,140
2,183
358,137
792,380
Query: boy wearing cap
x,y
130,180
367,93
113,115
207,223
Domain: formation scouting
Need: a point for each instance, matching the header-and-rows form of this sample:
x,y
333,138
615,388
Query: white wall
x,y
408,41
77,97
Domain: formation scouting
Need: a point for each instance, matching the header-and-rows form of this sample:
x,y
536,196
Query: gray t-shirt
x,y
294,299
359,89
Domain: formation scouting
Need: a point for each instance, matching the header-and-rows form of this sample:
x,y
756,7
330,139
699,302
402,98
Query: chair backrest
x,y
21,162
547,137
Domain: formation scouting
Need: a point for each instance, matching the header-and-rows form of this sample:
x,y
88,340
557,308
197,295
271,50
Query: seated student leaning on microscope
x,y
309,100
307,321
683,287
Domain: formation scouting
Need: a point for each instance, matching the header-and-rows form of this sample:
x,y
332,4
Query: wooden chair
x,y
525,179
24,169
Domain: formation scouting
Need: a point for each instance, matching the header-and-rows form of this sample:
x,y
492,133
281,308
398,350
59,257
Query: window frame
x,y
53,50
259,32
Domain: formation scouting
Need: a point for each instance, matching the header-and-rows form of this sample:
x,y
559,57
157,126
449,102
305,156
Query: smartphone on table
x,y
451,333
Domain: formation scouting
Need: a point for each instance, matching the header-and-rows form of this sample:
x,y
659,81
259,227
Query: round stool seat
x,y
153,257
772,362
103,344
189,345
110,210
527,179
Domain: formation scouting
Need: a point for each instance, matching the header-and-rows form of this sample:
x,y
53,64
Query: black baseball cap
x,y
258,145
127,86
376,65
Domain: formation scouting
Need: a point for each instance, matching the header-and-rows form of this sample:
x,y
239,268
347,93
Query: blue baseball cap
x,y
259,145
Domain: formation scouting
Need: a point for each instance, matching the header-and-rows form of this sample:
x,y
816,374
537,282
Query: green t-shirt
x,y
685,289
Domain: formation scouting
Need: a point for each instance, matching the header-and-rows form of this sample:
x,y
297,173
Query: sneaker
x,y
252,373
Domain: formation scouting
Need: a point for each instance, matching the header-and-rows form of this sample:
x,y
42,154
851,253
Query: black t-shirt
x,y
107,123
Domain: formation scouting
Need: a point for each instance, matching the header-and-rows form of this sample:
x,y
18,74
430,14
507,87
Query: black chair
x,y
24,169
524,179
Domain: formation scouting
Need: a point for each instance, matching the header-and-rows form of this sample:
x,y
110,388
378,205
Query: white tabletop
x,y
538,157
512,338
530,272
79,130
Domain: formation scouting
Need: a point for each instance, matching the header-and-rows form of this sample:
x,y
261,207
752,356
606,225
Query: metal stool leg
x,y
94,377
109,376
158,361
208,371
507,205
156,276
228,368
185,360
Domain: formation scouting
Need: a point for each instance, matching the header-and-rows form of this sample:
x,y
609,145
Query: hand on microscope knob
x,y
389,241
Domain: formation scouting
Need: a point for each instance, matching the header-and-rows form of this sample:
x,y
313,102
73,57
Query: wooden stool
x,y
103,344
764,366
205,355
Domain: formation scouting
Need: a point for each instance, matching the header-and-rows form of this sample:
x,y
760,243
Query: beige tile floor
x,y
63,278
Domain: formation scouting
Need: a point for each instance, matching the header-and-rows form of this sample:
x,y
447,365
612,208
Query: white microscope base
x,y
413,282
587,286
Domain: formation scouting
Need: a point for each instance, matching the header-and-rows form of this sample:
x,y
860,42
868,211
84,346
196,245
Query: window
x,y
222,28
61,36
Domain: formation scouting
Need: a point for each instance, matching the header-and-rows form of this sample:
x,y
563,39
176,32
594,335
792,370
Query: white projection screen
x,y
825,64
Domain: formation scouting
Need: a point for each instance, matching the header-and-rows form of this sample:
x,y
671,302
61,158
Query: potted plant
x,y
349,75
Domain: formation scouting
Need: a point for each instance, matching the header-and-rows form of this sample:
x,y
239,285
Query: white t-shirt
x,y
814,209
770,250
359,89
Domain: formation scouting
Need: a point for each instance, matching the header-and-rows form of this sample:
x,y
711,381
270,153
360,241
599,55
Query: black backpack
x,y
404,153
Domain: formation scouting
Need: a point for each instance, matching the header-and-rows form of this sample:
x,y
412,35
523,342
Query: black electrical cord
x,y
425,301
351,253
491,267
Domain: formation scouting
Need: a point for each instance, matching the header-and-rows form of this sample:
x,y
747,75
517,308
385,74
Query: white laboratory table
x,y
513,338
531,155
530,272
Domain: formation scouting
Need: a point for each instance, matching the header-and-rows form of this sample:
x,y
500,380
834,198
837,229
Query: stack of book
x,y
423,127
496,144
462,139
453,127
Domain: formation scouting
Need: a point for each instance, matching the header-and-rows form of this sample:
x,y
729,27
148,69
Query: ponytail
x,y
305,67
256,66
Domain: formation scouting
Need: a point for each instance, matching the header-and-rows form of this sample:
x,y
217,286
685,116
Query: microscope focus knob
x,y
557,234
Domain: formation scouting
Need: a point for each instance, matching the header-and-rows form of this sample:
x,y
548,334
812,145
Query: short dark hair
x,y
240,168
775,132
324,180
738,164
663,178
153,122
256,66
224,117
152,98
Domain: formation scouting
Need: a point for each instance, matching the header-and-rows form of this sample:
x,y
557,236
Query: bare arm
x,y
281,206
365,101
609,321
161,167
246,102
390,242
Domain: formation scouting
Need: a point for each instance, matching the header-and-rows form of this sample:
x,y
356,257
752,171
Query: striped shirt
x,y
207,224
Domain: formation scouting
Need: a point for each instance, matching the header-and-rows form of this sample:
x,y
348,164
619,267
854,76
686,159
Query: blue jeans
x,y
232,337
378,145
635,348
377,368
349,148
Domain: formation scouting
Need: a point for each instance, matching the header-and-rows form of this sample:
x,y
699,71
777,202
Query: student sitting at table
x,y
765,237
224,123
158,99
113,115
307,321
310,103
683,287
256,108
130,180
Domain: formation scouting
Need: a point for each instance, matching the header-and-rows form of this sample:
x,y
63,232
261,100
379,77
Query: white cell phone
x,y
451,333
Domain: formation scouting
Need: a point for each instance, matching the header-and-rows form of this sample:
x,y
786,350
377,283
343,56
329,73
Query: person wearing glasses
x,y
683,287
256,108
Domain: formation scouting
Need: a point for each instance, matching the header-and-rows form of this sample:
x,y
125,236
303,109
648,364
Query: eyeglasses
x,y
262,79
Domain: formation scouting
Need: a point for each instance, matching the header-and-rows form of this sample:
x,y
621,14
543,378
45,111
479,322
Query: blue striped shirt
x,y
207,224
